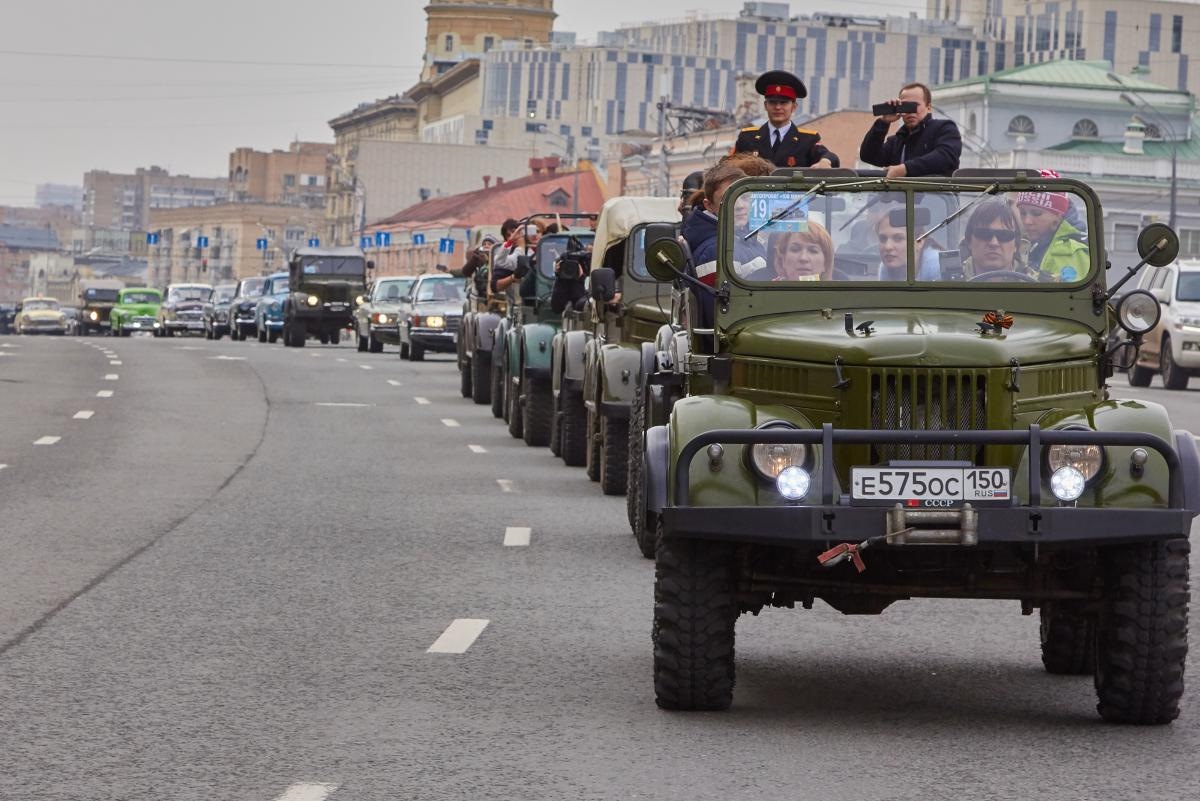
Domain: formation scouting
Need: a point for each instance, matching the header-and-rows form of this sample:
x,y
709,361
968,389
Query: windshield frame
x,y
304,262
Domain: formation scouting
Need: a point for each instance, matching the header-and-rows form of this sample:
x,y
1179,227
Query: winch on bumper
x,y
1015,521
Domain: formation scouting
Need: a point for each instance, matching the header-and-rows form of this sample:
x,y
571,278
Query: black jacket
x,y
798,148
933,148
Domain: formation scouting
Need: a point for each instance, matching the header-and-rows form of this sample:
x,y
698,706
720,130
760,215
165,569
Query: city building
x,y
61,219
847,61
121,200
1147,37
59,195
456,30
1120,134
18,245
545,188
233,231
51,275
292,177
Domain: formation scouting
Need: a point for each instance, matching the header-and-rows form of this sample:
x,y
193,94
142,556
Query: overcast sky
x,y
181,85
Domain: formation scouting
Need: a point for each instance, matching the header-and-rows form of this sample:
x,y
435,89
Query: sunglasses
x,y
1002,235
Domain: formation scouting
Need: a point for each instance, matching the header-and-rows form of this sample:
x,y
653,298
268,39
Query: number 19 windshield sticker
x,y
765,206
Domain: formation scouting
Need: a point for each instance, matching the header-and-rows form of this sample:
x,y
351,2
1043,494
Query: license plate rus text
x,y
958,484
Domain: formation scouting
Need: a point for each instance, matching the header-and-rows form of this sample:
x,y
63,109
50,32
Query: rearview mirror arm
x,y
1132,271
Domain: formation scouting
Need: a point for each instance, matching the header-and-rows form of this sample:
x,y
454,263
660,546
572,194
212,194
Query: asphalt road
x,y
226,582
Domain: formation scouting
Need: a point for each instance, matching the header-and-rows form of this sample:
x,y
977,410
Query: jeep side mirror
x,y
664,257
603,284
1158,244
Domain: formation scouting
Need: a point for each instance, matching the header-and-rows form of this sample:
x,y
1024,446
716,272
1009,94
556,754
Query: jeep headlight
x,y
1138,312
771,460
313,300
1087,459
435,322
94,316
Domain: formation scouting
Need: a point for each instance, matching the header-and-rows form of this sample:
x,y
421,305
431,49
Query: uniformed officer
x,y
779,141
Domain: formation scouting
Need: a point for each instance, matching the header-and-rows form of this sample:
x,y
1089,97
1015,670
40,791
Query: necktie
x,y
776,145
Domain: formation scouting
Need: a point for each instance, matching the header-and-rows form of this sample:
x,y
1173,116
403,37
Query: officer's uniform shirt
x,y
798,147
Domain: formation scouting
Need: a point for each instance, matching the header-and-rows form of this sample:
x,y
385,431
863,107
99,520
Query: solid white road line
x,y
458,637
308,792
86,414
111,377
448,423
516,536
422,401
394,382
366,367
507,484
47,440
477,449
104,393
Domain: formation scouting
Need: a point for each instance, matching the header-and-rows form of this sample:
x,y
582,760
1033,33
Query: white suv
x,y
1173,347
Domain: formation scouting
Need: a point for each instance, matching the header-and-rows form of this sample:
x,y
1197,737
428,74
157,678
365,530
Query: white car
x,y
1172,349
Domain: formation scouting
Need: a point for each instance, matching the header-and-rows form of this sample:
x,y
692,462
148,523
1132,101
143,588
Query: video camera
x,y
574,263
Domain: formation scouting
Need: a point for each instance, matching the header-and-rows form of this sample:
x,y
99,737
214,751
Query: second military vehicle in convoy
x,y
326,284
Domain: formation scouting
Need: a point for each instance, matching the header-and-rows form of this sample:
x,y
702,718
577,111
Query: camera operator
x,y
570,270
513,261
923,145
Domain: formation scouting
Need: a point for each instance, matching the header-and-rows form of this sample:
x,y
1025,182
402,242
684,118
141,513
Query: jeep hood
x,y
912,337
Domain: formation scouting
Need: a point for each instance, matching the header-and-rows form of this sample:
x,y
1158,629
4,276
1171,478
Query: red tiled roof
x,y
491,205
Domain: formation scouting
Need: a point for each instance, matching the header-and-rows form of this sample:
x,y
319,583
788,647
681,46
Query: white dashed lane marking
x,y
458,637
448,423
516,536
422,401
477,449
86,414
308,792
111,377
365,367
116,363
507,484
394,382
46,440
104,393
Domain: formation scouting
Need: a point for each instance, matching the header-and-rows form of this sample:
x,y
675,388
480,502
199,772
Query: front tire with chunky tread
x,y
481,379
695,614
538,410
1141,638
592,455
614,453
574,429
464,380
1068,641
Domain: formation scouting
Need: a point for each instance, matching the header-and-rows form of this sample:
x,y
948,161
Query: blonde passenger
x,y
802,256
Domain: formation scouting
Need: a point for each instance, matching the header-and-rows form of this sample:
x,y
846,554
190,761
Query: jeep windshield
x,y
857,234
100,295
333,265
140,297
553,246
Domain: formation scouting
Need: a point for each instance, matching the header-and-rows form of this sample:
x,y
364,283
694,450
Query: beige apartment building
x,y
122,200
233,231
457,30
292,177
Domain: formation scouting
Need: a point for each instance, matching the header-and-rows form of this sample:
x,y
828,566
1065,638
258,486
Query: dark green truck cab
x,y
900,403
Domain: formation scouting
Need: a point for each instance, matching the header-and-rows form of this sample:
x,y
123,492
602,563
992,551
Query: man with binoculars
x,y
923,145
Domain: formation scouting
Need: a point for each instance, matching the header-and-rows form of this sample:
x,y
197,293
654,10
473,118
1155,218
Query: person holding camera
x,y
924,145
513,262
778,140
568,291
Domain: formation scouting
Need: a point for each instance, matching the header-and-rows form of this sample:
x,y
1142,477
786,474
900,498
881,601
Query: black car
x,y
216,311
8,313
243,305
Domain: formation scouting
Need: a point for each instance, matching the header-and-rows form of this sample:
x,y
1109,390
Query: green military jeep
x,y
902,404
325,287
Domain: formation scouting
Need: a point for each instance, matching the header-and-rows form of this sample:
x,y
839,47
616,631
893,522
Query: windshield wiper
x,y
982,197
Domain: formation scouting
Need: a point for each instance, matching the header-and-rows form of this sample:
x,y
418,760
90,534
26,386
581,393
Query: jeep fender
x,y
535,343
1189,460
499,341
649,362
512,351
574,351
484,325
734,484
619,373
1115,486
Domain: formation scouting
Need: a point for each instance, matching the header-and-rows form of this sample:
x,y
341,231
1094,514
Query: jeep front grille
x,y
927,400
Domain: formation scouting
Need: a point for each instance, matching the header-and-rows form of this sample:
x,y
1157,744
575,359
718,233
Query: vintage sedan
x,y
243,307
375,320
216,311
430,316
136,310
268,314
41,316
183,309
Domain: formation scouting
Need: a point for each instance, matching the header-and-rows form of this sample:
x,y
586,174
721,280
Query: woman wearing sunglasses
x,y
994,240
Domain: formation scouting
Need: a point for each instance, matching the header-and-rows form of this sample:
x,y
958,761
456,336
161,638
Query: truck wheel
x,y
497,391
373,344
574,429
555,426
515,415
464,379
324,339
416,352
538,411
362,344
299,336
614,455
1139,376
1068,641
1172,376
1141,638
592,456
335,336
272,336
481,379
695,614
635,498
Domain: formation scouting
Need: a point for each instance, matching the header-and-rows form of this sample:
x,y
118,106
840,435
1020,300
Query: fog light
x,y
1067,483
313,300
793,483
95,316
